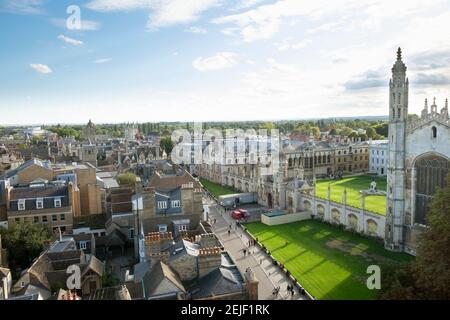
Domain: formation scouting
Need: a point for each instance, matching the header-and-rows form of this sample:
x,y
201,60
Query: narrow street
x,y
268,275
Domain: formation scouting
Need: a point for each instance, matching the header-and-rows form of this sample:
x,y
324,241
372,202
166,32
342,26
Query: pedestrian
x,y
260,260
229,232
292,292
244,251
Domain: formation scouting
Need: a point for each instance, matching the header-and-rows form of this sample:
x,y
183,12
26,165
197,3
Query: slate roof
x,y
157,274
38,192
166,183
93,221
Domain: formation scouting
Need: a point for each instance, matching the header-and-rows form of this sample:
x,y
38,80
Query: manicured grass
x,y
329,262
375,204
217,189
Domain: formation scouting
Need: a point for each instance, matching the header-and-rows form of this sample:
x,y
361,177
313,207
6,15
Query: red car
x,y
239,214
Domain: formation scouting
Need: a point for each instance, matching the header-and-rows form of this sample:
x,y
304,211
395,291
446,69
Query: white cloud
x,y
163,12
221,60
41,68
86,25
103,60
196,30
288,44
22,6
70,40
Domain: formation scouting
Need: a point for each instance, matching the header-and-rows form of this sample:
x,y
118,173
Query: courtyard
x,y
216,189
329,262
374,203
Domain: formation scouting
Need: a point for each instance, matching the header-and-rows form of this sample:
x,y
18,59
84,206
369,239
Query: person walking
x,y
244,251
229,232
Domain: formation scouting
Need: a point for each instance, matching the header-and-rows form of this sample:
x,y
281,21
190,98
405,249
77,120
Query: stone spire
x,y
434,106
444,110
399,67
425,109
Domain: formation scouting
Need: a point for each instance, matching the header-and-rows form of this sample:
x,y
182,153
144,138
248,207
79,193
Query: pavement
x,y
268,275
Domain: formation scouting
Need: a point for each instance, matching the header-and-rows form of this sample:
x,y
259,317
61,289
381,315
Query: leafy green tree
x,y
428,277
370,132
126,178
24,242
166,144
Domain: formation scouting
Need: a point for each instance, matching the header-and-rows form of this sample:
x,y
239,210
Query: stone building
x,y
419,160
51,205
378,157
191,269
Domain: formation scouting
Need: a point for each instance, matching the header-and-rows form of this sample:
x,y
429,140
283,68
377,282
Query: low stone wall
x,y
353,219
285,218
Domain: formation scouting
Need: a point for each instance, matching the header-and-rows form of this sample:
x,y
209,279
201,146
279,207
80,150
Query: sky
x,y
215,60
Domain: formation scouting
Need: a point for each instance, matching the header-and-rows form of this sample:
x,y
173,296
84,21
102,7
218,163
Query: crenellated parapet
x,y
433,114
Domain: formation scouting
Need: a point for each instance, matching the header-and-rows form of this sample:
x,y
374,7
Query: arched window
x,y
399,113
393,112
434,132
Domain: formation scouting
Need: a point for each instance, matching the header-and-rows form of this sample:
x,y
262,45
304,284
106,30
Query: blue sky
x,y
199,60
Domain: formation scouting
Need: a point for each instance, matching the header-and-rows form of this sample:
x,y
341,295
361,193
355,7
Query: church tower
x,y
398,116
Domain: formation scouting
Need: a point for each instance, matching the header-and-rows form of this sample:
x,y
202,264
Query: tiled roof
x,y
169,182
38,192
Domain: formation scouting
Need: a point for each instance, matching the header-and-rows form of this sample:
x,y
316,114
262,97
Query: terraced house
x,y
50,204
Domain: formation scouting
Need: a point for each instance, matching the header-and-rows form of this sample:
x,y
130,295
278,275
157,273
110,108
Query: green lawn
x,y
217,189
354,185
329,262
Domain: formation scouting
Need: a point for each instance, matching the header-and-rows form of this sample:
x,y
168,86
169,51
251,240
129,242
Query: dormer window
x,y
39,203
176,203
58,203
162,204
21,204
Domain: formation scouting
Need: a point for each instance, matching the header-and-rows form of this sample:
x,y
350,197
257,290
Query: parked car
x,y
239,214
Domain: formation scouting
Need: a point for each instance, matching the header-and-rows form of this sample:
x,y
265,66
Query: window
x,y
39,203
36,219
17,220
162,204
434,132
21,204
131,233
62,217
83,245
58,203
44,219
162,228
54,217
175,203
182,227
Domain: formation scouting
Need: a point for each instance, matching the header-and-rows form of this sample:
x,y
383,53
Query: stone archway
x,y
372,227
431,171
336,215
320,211
307,205
352,221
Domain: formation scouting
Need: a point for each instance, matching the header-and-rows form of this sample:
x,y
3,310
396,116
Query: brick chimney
x,y
209,259
156,243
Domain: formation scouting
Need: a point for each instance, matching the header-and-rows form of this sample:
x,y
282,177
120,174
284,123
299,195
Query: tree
x,y
126,178
167,144
370,132
428,277
316,132
24,242
432,265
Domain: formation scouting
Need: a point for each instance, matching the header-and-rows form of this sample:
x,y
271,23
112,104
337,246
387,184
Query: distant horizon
x,y
381,117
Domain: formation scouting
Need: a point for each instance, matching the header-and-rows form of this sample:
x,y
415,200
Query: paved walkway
x,y
268,275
